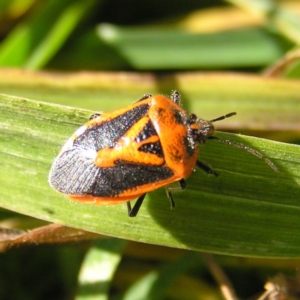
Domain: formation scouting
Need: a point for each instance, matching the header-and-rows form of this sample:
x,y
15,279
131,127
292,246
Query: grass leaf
x,y
98,269
248,210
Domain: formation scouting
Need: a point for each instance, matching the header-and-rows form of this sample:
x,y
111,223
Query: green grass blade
x,y
285,20
155,284
261,103
248,210
58,34
36,40
149,48
98,269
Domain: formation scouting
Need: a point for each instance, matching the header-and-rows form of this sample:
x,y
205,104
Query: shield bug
x,y
120,156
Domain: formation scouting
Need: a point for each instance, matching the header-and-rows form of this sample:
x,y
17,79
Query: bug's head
x,y
203,129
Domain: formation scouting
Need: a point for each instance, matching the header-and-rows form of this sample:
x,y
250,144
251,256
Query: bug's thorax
x,y
172,125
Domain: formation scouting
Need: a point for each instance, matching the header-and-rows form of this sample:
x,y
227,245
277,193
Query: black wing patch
x,y
106,135
74,173
152,148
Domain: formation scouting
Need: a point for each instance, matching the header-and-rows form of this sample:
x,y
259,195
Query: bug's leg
x,y
175,96
182,185
170,196
94,116
146,96
207,169
128,208
132,212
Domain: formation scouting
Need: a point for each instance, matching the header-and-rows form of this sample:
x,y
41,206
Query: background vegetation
x,y
94,55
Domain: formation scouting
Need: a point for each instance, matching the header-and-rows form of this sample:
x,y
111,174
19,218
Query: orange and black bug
x,y
123,155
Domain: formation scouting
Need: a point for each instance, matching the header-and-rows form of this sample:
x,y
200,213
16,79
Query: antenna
x,y
223,117
242,146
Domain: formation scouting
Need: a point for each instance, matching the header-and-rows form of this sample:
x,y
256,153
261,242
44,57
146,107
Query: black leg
x,y
145,97
182,184
94,116
170,196
132,212
207,169
175,96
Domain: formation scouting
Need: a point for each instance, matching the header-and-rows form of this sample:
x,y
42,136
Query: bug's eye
x,y
210,130
192,118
